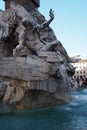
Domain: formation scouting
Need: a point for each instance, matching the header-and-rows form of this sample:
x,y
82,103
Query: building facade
x,y
81,69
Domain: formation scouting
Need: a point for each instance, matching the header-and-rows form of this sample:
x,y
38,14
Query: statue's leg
x,y
62,50
50,46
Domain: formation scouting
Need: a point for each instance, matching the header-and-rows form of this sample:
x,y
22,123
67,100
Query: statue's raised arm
x,y
46,23
51,14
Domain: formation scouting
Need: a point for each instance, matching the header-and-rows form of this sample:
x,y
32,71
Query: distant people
x,y
84,84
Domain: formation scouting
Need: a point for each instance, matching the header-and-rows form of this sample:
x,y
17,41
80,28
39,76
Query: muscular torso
x,y
32,40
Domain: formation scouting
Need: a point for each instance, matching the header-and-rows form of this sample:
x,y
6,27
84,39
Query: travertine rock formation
x,y
35,68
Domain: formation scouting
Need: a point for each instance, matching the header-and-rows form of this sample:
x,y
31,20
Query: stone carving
x,y
7,22
30,37
35,68
13,94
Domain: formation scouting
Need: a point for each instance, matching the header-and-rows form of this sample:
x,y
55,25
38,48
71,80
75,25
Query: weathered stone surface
x,y
2,89
38,99
28,94
35,68
24,68
50,56
24,74
27,3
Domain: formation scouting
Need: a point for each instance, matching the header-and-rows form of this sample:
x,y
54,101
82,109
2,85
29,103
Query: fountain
x,y
35,68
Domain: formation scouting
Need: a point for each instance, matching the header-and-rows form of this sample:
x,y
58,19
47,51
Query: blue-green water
x,y
68,117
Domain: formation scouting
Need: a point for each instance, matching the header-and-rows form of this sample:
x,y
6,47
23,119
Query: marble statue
x,y
35,68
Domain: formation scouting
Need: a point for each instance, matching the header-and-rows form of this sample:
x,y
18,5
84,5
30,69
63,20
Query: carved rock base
x,y
31,86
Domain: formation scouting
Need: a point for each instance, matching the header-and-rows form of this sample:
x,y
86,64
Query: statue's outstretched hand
x,y
51,14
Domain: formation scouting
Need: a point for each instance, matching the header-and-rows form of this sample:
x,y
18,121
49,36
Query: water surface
x,y
67,117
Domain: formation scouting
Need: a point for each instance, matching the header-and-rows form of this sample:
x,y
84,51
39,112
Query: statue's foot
x,y
73,60
17,50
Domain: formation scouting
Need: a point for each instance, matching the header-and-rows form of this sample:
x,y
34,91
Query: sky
x,y
69,25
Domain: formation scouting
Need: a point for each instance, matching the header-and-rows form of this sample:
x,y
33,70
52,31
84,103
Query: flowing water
x,y
67,117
